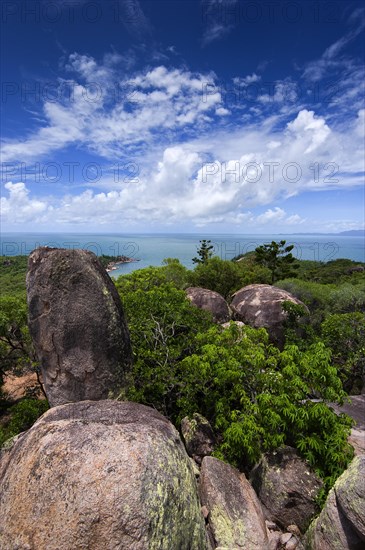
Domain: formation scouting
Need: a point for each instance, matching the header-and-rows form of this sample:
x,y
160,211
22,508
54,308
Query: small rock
x,y
285,537
292,543
198,436
274,540
294,529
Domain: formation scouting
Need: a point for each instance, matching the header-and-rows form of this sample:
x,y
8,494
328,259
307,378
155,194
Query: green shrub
x,y
344,334
22,417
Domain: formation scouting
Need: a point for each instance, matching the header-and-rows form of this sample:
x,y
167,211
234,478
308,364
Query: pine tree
x,y
204,252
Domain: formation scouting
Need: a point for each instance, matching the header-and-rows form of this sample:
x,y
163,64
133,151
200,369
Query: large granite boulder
x,y
198,436
350,493
261,306
77,324
286,487
99,475
235,518
341,524
210,301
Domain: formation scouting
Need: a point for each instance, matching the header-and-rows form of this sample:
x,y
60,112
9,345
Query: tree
x,y
344,334
278,258
222,276
204,252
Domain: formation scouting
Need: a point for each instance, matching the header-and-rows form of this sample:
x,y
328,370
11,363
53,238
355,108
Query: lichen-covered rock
x,y
331,530
286,487
350,493
261,306
210,301
198,436
100,475
77,324
235,519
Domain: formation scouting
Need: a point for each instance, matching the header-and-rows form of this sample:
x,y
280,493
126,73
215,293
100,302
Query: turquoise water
x,y
151,249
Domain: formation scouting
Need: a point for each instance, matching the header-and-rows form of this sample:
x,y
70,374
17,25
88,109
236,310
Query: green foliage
x,y
204,252
163,325
226,277
219,275
16,351
256,397
278,259
22,416
344,334
297,327
347,298
148,278
334,272
12,275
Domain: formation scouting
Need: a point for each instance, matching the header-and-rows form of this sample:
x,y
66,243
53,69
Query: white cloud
x,y
159,99
19,208
246,169
309,129
246,80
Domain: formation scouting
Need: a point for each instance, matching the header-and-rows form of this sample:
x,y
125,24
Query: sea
x,y
151,249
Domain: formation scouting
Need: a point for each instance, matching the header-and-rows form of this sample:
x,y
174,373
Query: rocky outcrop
x,y
234,515
286,487
99,475
341,524
261,306
350,493
355,408
210,301
198,436
77,324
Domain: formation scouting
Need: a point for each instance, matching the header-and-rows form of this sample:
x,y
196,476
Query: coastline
x,y
112,266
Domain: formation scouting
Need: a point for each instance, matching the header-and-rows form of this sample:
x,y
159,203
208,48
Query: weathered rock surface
x,y
333,530
235,519
261,306
198,436
350,493
286,487
356,409
210,301
99,475
77,324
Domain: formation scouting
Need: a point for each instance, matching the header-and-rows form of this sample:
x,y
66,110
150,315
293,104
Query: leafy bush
x,y
226,276
255,396
344,334
15,343
347,298
259,398
219,275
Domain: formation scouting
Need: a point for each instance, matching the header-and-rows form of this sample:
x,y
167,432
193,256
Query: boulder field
x,y
96,473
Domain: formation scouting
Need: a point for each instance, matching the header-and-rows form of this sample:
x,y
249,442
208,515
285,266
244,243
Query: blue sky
x,y
222,116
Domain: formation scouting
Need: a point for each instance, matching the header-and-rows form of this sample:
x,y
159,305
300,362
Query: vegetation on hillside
x,y
256,396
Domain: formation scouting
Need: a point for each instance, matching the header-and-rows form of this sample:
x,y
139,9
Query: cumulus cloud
x,y
113,115
218,177
20,208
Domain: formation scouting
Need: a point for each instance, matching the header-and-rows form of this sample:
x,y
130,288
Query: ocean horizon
x,y
152,248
